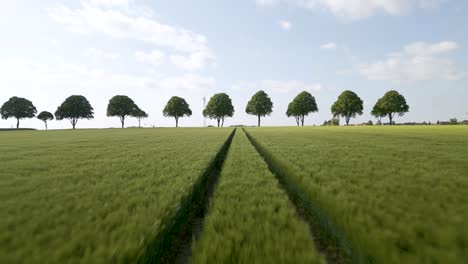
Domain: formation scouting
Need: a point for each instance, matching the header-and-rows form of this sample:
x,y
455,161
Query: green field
x,y
396,194
251,219
372,194
97,196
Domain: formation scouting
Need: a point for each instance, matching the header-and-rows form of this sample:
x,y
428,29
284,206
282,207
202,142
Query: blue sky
x,y
151,50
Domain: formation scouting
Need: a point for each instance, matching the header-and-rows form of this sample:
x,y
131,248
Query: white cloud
x,y
154,58
266,2
357,9
89,19
193,61
328,46
285,25
187,83
97,53
108,3
63,79
418,61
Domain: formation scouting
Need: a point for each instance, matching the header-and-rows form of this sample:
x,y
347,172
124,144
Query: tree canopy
x,y
378,112
177,107
302,105
139,114
348,106
391,104
121,106
18,108
74,108
45,116
219,107
260,105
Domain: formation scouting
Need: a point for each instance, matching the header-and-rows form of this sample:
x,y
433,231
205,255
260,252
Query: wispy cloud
x,y
285,25
99,16
356,9
418,61
329,46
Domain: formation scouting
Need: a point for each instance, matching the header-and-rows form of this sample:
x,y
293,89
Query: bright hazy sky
x,y
151,50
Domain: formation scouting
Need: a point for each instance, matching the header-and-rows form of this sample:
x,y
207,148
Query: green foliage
x,y
332,122
453,121
95,196
260,105
302,105
45,116
18,108
391,104
251,219
378,112
121,106
397,195
74,108
177,107
139,114
348,106
219,107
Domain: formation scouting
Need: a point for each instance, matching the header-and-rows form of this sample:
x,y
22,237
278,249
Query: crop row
x,y
98,196
250,218
386,196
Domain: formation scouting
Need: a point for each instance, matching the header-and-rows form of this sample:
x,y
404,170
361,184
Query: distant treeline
x,y
348,105
15,129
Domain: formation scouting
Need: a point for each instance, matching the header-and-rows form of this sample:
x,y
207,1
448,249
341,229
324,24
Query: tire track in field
x,y
328,240
174,243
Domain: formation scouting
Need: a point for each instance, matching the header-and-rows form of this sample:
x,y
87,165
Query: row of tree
x,y
348,105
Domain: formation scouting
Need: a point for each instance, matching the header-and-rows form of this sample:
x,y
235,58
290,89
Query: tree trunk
x,y
122,120
139,122
347,121
219,121
391,118
302,120
176,122
17,123
45,122
73,124
222,122
297,120
258,120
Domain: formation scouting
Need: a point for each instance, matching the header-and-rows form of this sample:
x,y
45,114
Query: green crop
x,y
396,194
95,196
250,219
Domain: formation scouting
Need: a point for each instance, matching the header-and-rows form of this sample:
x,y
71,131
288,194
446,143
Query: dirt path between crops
x,y
184,250
325,243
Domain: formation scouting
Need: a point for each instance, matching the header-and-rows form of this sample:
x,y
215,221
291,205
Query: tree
x,y
348,106
177,107
453,121
219,107
139,114
18,108
121,106
45,116
378,112
391,104
74,108
302,105
260,105
332,122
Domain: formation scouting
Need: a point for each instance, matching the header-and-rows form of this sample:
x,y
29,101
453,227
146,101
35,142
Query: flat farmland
x,y
253,195
96,196
386,194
